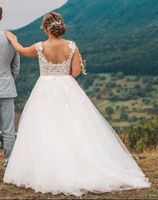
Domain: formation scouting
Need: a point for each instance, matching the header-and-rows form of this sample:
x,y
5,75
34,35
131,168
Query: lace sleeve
x,y
39,48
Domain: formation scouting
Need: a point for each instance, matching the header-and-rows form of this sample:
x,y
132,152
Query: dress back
x,y
48,68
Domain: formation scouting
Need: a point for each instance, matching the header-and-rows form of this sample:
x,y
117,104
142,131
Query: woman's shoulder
x,y
69,41
39,43
38,46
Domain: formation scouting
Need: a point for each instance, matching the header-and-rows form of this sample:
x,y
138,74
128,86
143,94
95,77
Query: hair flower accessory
x,y
56,23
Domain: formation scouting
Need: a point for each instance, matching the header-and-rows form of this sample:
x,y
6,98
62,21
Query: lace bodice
x,y
50,68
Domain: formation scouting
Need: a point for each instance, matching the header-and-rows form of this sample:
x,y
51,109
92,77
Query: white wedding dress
x,y
64,145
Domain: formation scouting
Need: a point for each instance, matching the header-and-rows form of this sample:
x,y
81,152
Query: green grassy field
x,y
123,100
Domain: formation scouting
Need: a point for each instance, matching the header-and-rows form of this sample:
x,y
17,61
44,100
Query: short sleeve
x,y
39,47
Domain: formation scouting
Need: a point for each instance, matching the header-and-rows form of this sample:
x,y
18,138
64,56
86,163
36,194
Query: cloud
x,y
19,13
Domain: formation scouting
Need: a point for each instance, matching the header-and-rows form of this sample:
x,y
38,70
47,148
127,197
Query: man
x,y
9,69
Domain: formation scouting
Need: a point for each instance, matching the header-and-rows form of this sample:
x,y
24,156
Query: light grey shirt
x,y
9,68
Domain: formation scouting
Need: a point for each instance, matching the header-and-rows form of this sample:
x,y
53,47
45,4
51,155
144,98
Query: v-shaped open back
x,y
48,68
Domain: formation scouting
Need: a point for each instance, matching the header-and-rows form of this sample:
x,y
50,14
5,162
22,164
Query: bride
x,y
64,145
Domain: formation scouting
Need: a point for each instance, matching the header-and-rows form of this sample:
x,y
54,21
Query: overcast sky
x,y
19,13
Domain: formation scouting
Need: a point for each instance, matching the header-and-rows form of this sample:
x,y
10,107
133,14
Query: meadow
x,y
129,104
123,100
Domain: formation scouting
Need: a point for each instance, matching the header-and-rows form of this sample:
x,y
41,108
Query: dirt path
x,y
148,162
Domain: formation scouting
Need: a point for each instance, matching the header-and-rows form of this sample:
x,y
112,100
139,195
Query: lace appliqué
x,y
49,68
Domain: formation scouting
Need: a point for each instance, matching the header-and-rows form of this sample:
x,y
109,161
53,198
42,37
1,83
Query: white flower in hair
x,y
55,23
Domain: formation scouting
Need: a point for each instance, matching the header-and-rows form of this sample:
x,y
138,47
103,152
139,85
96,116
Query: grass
x,y
147,161
136,95
130,104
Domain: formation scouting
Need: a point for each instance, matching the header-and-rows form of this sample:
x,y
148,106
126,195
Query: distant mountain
x,y
113,35
19,13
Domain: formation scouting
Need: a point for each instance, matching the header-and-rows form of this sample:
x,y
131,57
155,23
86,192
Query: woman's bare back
x,y
56,51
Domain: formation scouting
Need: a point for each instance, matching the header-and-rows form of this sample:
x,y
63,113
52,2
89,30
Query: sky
x,y
19,13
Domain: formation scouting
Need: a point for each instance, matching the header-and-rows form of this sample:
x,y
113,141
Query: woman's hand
x,y
25,51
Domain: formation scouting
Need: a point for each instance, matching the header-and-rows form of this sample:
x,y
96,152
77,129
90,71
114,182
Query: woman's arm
x,y
25,51
76,64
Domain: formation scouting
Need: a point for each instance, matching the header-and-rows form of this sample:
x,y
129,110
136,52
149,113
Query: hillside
x,y
113,35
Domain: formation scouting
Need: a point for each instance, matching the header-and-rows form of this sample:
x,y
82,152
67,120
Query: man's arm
x,y
15,65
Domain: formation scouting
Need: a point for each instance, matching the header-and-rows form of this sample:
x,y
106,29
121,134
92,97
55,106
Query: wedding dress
x,y
64,145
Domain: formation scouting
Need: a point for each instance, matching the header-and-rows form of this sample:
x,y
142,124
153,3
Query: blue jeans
x,y
7,114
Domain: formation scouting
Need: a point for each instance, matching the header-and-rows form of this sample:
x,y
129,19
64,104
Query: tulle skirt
x,y
64,145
